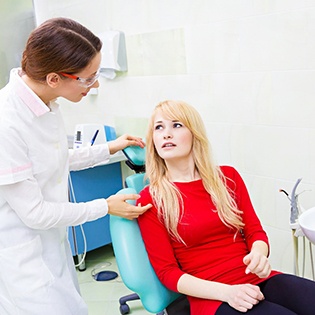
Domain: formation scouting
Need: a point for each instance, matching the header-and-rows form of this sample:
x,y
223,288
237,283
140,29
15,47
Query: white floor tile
x,y
102,297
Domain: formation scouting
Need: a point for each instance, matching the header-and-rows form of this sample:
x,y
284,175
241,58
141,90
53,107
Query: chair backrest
x,y
135,154
134,265
136,181
135,158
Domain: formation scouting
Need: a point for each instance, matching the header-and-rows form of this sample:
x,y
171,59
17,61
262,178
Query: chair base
x,y
124,307
179,307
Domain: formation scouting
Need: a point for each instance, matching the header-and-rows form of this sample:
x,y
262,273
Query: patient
x,y
203,236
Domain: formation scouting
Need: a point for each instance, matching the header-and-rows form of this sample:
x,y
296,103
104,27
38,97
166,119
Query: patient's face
x,y
172,139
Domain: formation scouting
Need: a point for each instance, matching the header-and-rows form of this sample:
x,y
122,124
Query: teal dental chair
x,y
131,256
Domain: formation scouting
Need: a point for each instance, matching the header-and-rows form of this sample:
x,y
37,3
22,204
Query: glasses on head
x,y
83,82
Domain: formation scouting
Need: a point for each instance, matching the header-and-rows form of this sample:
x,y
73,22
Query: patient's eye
x,y
177,125
158,127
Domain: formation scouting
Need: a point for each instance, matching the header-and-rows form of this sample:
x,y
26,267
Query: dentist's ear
x,y
53,79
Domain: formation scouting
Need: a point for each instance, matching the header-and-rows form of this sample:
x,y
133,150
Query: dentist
x,y
37,274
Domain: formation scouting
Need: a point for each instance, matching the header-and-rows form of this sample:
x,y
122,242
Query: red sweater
x,y
211,252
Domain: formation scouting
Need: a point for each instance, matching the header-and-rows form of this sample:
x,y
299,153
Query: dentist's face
x,y
172,139
73,89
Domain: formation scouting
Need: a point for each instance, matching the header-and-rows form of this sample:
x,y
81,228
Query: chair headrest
x,y
136,158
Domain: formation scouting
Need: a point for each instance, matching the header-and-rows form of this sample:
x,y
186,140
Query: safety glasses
x,y
83,82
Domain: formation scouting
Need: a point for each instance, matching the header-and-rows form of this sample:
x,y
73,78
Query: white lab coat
x,y
37,274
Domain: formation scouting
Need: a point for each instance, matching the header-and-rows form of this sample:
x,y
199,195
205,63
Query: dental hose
x,y
81,257
294,225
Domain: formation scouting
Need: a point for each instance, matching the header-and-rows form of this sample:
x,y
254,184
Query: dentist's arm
x,y
123,142
87,157
26,199
118,206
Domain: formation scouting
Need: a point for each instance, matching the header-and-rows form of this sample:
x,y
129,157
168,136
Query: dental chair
x,y
131,256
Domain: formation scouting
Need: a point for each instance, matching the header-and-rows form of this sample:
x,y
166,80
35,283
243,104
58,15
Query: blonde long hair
x,y
165,194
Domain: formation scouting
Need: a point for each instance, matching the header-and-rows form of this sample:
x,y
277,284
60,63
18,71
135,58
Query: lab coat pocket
x,y
23,270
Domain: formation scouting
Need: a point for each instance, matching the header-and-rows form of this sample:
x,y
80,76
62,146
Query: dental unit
x,y
297,231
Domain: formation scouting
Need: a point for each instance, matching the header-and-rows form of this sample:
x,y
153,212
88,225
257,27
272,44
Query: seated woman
x,y
203,236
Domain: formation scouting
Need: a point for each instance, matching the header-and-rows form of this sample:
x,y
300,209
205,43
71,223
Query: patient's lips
x,y
168,145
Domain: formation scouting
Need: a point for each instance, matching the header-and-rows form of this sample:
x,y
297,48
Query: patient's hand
x,y
243,297
123,142
118,206
257,262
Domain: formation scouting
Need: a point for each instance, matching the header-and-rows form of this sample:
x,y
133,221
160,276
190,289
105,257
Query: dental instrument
x,y
294,205
295,212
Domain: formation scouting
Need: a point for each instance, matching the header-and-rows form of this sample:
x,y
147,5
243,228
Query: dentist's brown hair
x,y
59,45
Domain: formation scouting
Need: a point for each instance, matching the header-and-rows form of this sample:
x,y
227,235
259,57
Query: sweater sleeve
x,y
253,230
158,245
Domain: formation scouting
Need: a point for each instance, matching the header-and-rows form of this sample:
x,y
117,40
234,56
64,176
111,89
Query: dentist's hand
x,y
118,206
243,297
123,142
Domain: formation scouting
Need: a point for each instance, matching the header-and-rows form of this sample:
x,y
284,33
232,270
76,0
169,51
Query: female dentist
x,y
37,274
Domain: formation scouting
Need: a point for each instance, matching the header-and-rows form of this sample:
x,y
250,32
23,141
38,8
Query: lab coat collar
x,y
33,102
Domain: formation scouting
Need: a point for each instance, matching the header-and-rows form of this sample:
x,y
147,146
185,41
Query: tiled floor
x,y
102,296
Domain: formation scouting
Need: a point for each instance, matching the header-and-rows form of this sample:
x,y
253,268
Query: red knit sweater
x,y
211,251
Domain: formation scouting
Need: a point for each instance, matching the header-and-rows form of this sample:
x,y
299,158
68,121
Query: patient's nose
x,y
168,136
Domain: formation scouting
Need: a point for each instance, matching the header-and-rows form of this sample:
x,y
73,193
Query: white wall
x,y
16,22
247,66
